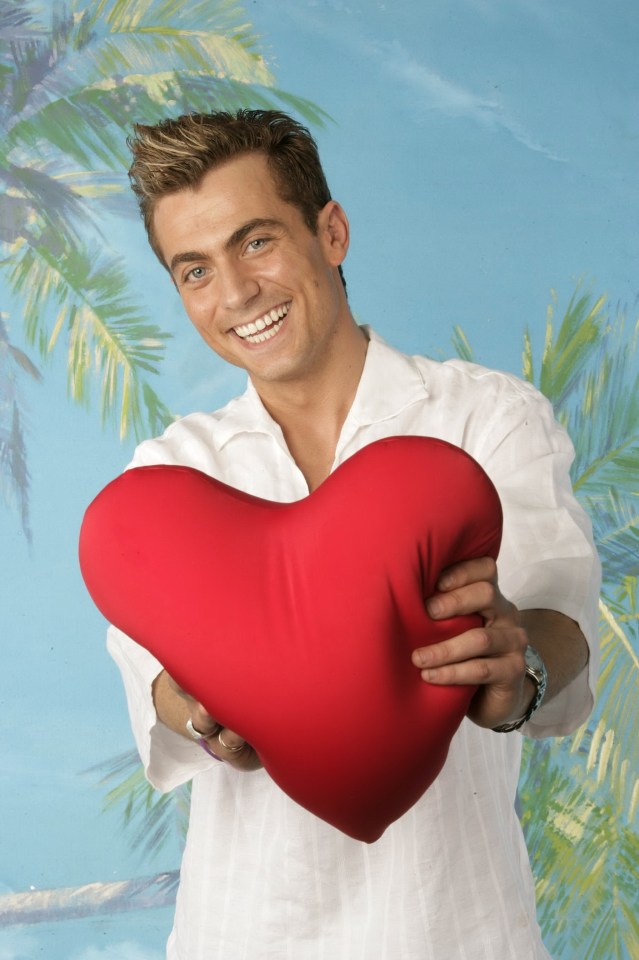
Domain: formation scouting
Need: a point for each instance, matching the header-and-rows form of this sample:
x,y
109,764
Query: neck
x,y
311,412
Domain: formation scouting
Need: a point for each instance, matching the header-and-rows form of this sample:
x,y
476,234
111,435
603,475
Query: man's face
x,y
259,286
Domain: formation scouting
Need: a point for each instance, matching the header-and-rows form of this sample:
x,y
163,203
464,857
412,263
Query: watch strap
x,y
536,670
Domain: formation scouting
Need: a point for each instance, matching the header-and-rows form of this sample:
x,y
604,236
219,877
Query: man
x,y
238,211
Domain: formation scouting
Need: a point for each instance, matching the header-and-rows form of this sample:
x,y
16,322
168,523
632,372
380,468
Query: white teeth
x,y
264,327
266,335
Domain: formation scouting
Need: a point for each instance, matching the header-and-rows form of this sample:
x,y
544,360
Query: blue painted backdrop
x,y
486,152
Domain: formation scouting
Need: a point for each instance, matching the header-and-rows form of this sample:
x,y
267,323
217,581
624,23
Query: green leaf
x,y
615,520
607,418
461,345
109,339
149,819
571,348
579,799
14,470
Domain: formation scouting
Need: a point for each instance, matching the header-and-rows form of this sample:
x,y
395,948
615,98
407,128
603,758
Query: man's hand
x,y
175,706
491,655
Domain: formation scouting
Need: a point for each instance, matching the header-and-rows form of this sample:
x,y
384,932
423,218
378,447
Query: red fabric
x,y
293,623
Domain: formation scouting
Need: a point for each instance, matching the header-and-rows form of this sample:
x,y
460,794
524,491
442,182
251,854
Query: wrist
x,y
528,694
535,682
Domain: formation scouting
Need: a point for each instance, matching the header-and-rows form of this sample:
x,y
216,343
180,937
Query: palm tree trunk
x,y
90,900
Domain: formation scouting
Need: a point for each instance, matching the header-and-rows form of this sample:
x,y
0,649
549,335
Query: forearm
x,y
171,707
561,645
563,649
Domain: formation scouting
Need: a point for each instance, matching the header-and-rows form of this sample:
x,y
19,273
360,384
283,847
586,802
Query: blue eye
x,y
195,274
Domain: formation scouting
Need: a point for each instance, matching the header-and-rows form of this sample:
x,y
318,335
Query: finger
x,y
467,571
482,655
231,743
494,672
466,646
483,598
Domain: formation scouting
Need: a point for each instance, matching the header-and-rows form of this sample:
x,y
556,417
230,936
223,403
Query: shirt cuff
x,y
565,712
571,707
168,758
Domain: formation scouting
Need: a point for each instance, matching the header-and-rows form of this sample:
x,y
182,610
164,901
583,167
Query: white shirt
x,y
263,878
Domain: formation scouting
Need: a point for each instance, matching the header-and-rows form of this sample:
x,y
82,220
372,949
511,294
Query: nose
x,y
237,286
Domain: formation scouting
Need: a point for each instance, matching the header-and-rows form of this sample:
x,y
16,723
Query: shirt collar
x,y
391,381
245,414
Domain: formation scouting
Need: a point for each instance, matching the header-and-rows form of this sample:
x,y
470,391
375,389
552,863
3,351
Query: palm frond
x,y
102,74
127,43
15,212
104,191
14,19
109,338
580,799
44,202
619,672
121,16
607,419
567,351
584,853
461,344
570,349
29,52
527,359
14,471
133,70
150,819
588,372
615,521
197,93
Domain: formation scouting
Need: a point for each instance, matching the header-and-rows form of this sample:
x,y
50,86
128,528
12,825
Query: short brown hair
x,y
177,153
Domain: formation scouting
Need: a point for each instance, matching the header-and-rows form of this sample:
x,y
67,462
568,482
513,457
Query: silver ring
x,y
196,734
230,749
200,739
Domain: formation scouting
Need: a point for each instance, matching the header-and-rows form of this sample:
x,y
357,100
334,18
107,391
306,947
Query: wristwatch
x,y
536,670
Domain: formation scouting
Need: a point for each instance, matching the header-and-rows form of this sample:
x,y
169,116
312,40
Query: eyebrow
x,y
189,256
256,224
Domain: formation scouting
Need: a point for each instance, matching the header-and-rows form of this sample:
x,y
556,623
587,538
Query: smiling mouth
x,y
264,327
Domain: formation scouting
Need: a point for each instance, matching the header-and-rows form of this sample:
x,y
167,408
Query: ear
x,y
334,232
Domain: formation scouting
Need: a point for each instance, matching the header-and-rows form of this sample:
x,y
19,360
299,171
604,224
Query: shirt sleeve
x,y
548,559
168,758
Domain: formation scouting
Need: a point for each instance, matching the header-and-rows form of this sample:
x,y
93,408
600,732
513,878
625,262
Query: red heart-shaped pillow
x,y
293,623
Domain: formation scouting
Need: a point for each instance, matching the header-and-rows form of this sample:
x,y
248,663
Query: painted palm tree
x,y
580,796
70,88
